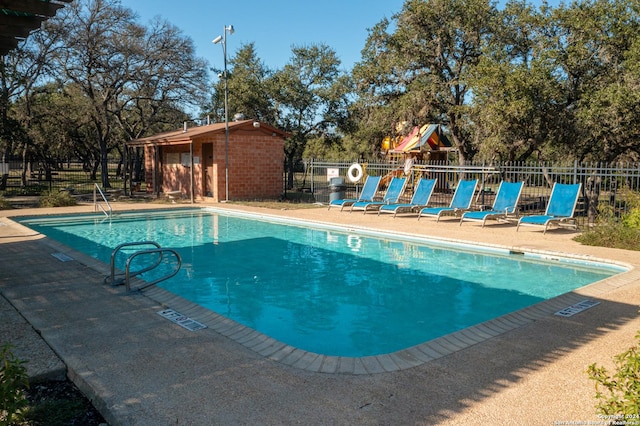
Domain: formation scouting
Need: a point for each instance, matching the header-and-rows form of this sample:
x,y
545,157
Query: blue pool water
x,y
327,290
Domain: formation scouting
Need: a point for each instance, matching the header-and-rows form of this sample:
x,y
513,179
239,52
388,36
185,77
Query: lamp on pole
x,y
223,38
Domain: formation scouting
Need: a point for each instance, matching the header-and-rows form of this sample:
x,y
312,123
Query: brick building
x,y
192,161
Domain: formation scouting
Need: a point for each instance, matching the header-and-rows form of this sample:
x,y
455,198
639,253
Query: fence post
x,y
313,180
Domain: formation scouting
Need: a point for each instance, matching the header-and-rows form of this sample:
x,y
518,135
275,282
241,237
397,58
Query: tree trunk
x,y
4,177
138,173
104,170
290,171
94,170
592,193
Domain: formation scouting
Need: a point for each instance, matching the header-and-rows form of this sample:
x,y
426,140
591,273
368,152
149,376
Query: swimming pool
x,y
325,289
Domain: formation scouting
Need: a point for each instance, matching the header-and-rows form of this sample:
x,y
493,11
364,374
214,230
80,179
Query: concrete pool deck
x,y
142,369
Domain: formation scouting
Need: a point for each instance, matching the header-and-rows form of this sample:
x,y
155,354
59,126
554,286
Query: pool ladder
x,y
98,204
119,279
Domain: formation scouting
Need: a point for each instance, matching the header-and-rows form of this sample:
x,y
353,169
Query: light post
x,y
223,38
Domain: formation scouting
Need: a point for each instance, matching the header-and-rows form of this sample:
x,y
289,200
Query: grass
x,y
57,199
4,204
616,232
612,235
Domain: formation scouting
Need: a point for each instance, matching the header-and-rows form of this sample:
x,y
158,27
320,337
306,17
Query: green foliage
x,y
619,394
509,81
519,103
4,204
614,235
13,381
57,199
614,232
420,72
309,91
249,84
632,219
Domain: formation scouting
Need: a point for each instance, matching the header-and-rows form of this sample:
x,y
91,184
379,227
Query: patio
x,y
141,369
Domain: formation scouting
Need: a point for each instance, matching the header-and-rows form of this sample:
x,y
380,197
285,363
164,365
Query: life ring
x,y
408,165
357,168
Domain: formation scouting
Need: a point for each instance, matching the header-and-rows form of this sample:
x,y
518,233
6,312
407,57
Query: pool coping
x,y
400,360
445,242
278,351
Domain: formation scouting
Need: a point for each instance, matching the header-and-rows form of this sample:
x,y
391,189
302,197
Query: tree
x,y
425,64
377,92
9,127
559,81
21,71
133,77
99,36
54,136
307,92
601,48
165,79
247,83
518,102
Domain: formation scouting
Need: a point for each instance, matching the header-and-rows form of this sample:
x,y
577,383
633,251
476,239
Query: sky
x,y
274,26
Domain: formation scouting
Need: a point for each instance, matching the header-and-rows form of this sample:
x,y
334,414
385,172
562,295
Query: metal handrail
x,y
95,201
112,277
128,275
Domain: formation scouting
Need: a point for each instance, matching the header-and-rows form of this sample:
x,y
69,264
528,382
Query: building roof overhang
x,y
180,137
19,17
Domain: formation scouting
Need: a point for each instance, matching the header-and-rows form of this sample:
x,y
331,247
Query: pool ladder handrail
x,y
111,279
161,251
96,189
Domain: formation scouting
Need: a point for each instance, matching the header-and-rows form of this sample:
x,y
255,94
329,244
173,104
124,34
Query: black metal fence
x,y
602,184
70,176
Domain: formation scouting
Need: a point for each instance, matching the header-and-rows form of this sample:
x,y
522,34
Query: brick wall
x,y
256,165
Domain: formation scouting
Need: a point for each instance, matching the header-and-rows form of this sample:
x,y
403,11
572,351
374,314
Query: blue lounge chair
x,y
368,192
560,210
504,205
420,199
461,201
392,195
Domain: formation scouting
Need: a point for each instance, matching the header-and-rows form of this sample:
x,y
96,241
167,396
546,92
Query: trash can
x,y
336,188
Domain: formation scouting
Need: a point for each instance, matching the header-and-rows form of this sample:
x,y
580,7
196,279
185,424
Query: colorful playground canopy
x,y
427,138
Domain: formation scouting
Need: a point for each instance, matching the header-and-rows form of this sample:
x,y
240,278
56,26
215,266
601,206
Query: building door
x,y
207,167
158,173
